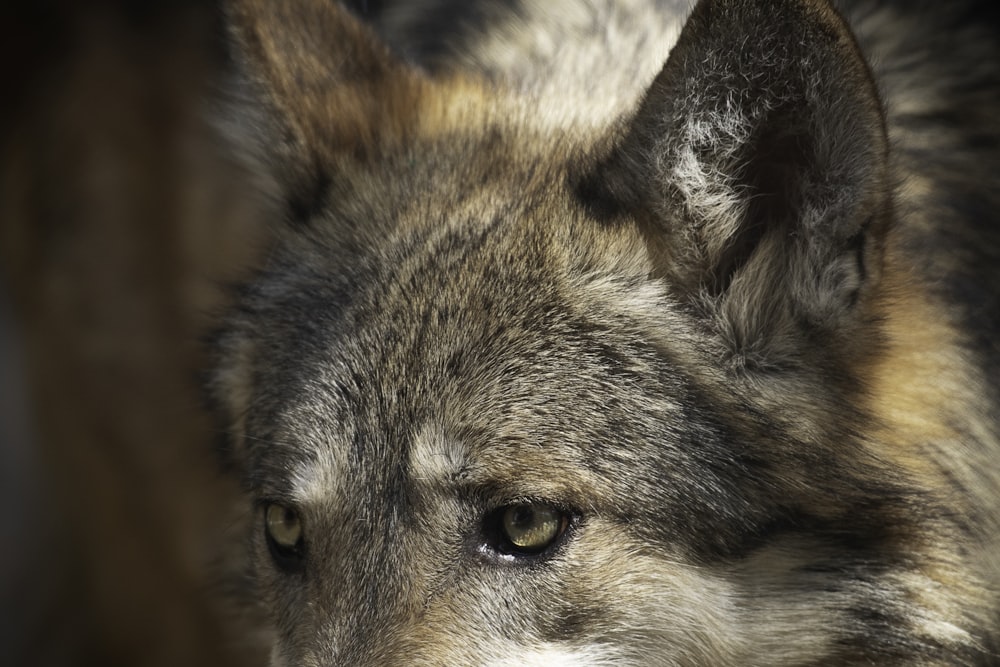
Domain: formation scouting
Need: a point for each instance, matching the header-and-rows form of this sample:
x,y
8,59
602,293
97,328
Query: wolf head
x,y
513,391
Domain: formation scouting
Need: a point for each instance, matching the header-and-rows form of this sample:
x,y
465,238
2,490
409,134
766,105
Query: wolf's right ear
x,y
324,86
757,163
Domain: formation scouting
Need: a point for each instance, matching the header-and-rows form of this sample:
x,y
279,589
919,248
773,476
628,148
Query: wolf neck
x,y
950,449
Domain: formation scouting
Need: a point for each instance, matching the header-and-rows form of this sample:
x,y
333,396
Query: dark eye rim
x,y
496,546
288,559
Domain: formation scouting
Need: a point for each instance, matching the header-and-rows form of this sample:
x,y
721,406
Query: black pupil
x,y
522,516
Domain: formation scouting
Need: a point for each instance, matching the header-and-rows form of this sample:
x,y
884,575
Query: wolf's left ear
x,y
758,163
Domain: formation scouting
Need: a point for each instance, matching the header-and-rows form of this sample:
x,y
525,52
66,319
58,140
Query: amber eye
x,y
283,528
529,528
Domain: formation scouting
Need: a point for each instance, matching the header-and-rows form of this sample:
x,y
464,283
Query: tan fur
x,y
689,319
920,376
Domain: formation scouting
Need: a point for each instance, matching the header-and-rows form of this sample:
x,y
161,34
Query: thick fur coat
x,y
707,299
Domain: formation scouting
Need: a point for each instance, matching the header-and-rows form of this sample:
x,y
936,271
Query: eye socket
x,y
283,529
526,528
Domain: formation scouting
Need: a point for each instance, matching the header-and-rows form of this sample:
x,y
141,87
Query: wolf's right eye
x,y
525,528
283,529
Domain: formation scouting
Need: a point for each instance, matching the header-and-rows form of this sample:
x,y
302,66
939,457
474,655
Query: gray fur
x,y
728,314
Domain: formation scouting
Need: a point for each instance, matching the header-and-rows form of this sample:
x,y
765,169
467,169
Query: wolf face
x,y
659,384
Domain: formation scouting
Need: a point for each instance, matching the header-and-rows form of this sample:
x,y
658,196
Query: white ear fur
x,y
759,156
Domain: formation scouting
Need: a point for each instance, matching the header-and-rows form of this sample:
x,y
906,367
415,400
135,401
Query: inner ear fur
x,y
757,164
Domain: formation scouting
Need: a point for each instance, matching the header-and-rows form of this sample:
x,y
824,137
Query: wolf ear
x,y
328,86
757,163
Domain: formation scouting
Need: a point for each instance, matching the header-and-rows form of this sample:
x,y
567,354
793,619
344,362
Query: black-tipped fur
x,y
712,284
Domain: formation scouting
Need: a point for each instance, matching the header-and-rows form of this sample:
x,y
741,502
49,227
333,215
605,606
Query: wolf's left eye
x,y
283,528
525,528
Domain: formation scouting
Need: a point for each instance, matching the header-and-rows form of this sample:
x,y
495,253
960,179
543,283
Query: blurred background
x,y
122,220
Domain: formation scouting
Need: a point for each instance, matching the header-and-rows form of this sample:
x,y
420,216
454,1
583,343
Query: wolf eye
x,y
526,528
283,529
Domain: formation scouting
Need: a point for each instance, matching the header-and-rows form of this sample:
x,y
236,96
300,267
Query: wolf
x,y
619,332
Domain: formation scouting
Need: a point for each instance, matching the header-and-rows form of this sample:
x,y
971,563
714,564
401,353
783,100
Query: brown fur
x,y
709,320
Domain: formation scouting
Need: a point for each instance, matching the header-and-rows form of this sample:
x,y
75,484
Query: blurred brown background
x,y
122,217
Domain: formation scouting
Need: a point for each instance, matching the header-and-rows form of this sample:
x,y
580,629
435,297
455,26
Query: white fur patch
x,y
551,655
708,189
639,298
316,482
435,457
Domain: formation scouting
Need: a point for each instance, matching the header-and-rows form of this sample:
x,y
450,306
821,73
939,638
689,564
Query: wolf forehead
x,y
492,319
509,344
